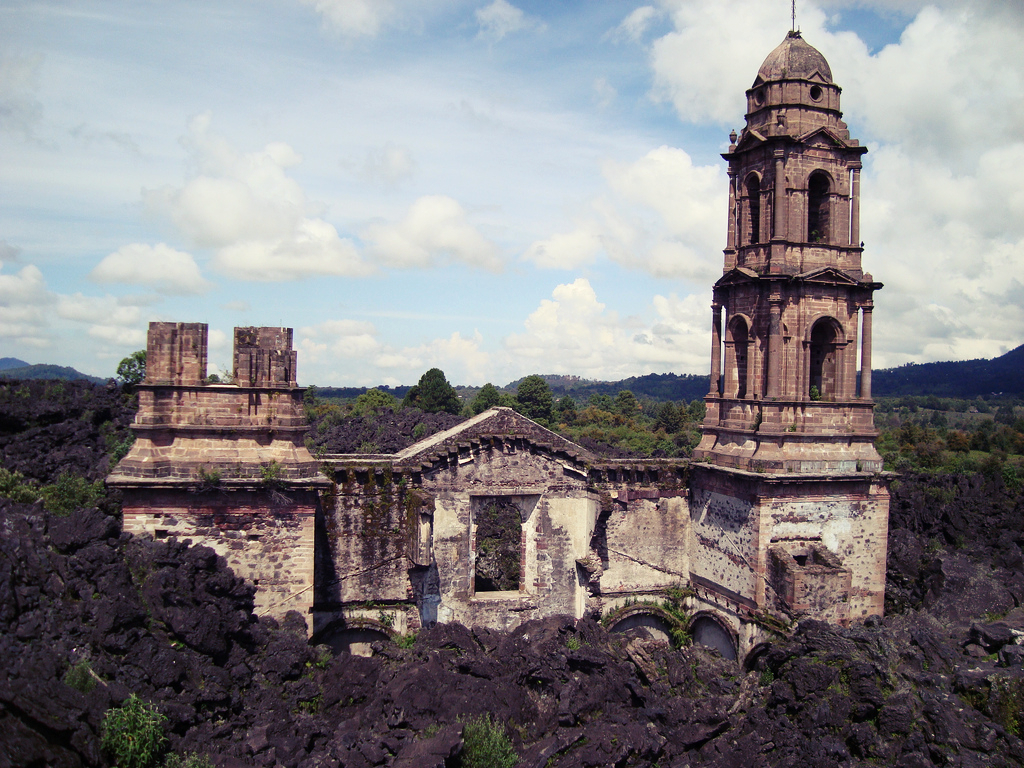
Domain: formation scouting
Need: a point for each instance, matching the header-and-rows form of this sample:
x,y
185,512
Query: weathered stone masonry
x,y
782,513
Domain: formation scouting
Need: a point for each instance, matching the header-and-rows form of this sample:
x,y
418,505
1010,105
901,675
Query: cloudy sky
x,y
494,187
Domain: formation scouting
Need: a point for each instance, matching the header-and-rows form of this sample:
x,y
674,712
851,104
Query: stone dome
x,y
794,59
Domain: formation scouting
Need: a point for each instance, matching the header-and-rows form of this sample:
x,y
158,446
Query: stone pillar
x,y
751,367
855,205
716,347
781,231
176,353
865,354
774,346
733,208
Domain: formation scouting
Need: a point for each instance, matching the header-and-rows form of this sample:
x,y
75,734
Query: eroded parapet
x,y
176,353
264,357
188,429
810,580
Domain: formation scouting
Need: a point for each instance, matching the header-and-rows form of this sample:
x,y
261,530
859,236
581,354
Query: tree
x,y
374,401
567,410
487,397
132,369
669,418
534,396
433,394
626,404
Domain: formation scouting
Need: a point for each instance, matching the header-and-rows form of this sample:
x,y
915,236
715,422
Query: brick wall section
x,y
266,539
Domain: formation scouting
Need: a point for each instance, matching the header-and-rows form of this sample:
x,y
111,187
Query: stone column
x,y
855,205
774,346
733,208
716,347
781,231
865,353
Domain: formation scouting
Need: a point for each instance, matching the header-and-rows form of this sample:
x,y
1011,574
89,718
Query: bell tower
x,y
789,505
792,311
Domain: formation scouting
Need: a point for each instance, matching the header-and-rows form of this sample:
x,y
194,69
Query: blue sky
x,y
494,187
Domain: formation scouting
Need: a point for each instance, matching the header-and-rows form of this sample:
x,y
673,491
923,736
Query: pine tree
x,y
535,400
433,394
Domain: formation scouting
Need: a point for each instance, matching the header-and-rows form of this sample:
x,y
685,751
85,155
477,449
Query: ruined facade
x,y
225,464
782,513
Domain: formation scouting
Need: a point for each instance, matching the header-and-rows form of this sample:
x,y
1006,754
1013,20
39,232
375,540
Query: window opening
x,y
754,208
499,535
817,208
823,360
740,338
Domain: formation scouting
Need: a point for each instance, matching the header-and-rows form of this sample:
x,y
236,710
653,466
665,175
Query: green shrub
x,y
133,734
80,677
15,487
486,745
406,641
70,492
191,760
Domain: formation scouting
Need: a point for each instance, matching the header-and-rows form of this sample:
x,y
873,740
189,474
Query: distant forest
x,y
960,379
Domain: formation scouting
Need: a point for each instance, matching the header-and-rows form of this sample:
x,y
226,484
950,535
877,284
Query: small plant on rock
x,y
270,474
486,745
191,760
80,677
133,734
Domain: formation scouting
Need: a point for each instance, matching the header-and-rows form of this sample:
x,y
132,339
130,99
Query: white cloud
x,y
637,23
339,341
664,216
567,250
106,318
159,267
388,165
461,358
353,18
709,60
24,301
255,215
314,248
353,347
501,18
573,332
436,227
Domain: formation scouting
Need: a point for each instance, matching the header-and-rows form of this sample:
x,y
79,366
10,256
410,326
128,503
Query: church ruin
x,y
781,512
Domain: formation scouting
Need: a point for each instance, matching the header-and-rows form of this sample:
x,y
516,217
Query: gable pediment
x,y
823,137
827,275
501,428
750,138
737,276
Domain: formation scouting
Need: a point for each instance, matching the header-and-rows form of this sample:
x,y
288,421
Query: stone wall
x,y
265,538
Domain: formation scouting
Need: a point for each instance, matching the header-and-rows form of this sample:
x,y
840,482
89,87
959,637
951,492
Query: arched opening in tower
x,y
754,208
817,208
738,370
824,338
